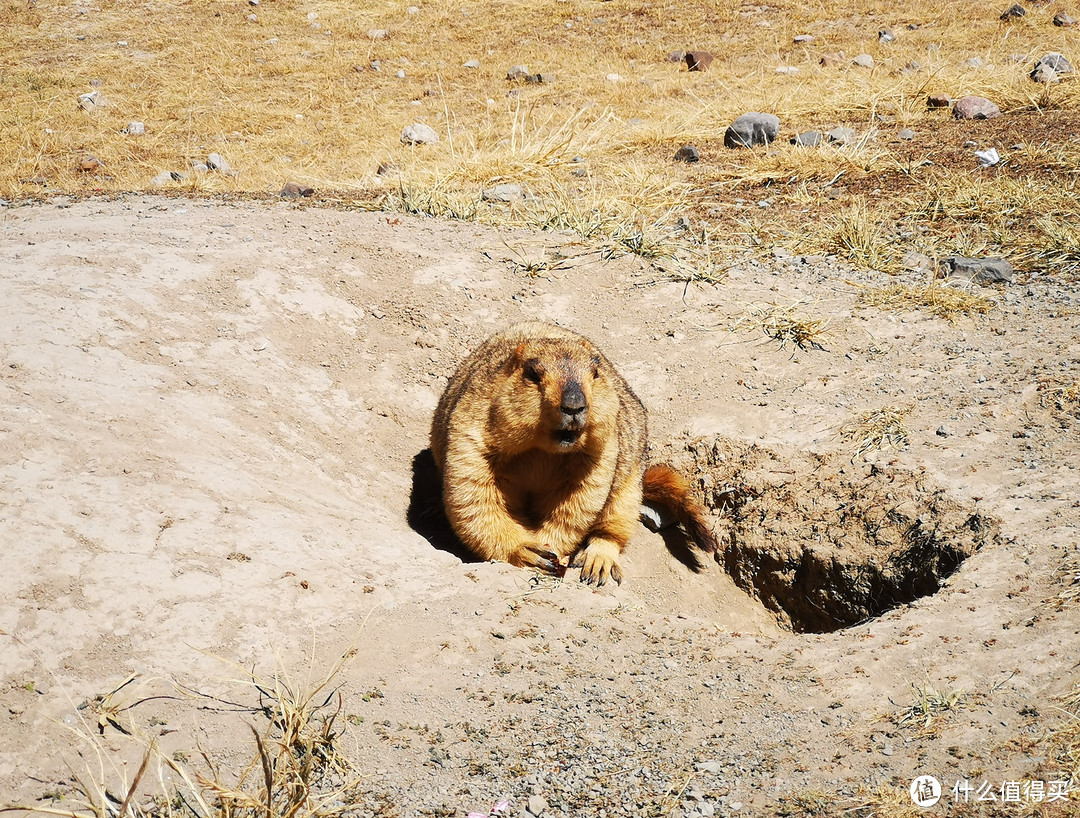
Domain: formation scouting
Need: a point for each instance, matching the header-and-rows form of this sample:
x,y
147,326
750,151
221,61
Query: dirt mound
x,y
826,543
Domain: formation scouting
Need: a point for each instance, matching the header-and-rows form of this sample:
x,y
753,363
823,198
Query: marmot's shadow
x,y
426,515
427,518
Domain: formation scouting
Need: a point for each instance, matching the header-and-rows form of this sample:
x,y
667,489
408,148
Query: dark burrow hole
x,y
825,543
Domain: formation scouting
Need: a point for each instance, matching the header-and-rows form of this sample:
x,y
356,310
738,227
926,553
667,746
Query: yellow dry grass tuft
x,y
788,325
877,428
943,300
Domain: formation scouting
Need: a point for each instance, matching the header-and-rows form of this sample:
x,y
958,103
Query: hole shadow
x,y
426,515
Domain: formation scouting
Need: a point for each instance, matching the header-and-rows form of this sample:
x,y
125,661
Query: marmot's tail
x,y
666,486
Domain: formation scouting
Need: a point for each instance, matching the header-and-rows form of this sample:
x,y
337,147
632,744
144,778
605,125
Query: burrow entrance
x,y
826,543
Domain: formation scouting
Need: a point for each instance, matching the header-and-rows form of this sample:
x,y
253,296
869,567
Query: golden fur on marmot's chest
x,y
536,482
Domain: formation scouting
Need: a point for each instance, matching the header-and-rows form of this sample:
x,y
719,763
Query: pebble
x,y
1044,74
907,134
400,74
92,101
687,153
503,193
943,431
540,79
751,129
537,805
975,107
863,61
377,33
803,39
807,139
709,767
135,129
974,62
216,161
412,10
1063,20
471,64
517,72
886,35
787,69
613,77
938,101
988,270
842,135
89,164
1056,62
293,190
698,60
418,134
1013,12
166,177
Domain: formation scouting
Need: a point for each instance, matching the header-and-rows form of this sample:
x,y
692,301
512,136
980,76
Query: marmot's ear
x,y
596,366
533,370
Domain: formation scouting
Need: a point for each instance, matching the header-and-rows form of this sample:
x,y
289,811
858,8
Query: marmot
x,y
541,445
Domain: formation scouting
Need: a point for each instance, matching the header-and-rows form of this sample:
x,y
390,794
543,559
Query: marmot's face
x,y
555,390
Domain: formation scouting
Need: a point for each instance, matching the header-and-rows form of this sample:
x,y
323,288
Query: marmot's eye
x,y
532,370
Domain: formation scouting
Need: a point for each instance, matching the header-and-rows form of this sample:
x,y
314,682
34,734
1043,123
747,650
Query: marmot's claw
x,y
544,559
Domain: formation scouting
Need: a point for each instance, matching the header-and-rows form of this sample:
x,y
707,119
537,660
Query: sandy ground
x,y
209,415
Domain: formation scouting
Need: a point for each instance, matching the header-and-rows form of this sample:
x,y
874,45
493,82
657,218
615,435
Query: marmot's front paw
x,y
599,560
539,557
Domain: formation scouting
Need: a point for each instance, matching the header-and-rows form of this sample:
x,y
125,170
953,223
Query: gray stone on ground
x,y
1063,20
377,33
1013,12
863,61
918,262
751,129
975,107
166,177
471,64
216,161
907,134
418,134
842,135
517,72
807,139
980,270
292,190
92,101
1056,62
803,39
505,192
135,129
537,805
687,153
1044,74
886,35
540,79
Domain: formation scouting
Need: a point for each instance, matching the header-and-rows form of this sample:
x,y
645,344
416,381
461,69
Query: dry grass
x,y
291,95
943,300
788,325
1062,742
877,428
928,704
1061,395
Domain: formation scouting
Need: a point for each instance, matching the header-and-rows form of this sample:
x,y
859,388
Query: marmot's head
x,y
556,394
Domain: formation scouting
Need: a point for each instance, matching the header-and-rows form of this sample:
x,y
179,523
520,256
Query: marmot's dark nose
x,y
573,400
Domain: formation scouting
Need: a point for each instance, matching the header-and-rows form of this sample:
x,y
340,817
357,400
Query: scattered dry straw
x,y
877,428
942,300
788,325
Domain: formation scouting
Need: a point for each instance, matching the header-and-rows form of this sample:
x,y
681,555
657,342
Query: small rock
x,y
942,431
987,158
907,134
253,2
503,193
752,129
886,35
917,262
400,74
165,177
253,18
804,39
807,139
92,101
216,161
698,60
537,805
709,767
540,79
418,134
980,270
199,167
1056,62
1013,12
787,69
613,77
89,164
687,153
376,65
517,72
974,107
135,129
1044,74
833,59
841,135
938,101
1063,20
412,10
292,191
912,67
377,33
676,56
974,62
471,64
863,61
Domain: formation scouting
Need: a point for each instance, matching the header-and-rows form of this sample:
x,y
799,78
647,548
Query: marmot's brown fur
x,y
541,447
